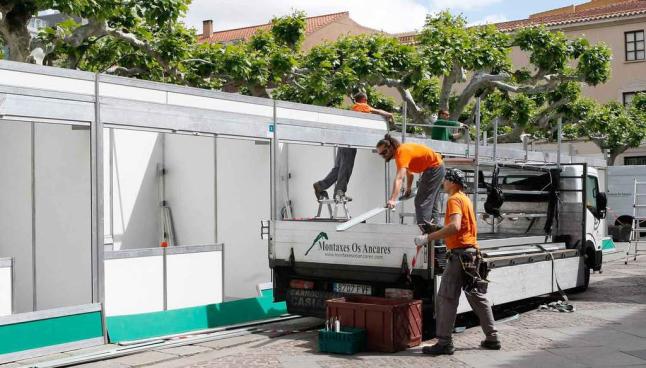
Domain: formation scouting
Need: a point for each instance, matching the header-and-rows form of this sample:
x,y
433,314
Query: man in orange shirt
x,y
344,163
462,269
415,158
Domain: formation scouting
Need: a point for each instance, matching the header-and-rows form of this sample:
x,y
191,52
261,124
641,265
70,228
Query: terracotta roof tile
x,y
624,9
312,24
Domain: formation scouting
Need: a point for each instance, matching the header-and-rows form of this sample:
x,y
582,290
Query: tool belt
x,y
475,271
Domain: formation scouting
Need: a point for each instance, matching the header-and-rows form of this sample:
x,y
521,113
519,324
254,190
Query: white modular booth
x,y
151,196
148,198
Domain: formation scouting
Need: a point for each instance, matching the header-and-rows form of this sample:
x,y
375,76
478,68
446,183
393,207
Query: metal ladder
x,y
638,217
333,212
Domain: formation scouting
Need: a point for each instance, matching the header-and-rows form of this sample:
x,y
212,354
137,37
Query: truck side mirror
x,y
602,205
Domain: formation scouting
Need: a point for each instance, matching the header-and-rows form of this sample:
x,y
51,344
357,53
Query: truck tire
x,y
589,263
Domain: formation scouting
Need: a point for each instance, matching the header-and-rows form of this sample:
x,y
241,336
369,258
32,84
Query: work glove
x,y
421,240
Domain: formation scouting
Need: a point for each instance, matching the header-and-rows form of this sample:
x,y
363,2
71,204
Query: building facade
x,y
620,24
318,29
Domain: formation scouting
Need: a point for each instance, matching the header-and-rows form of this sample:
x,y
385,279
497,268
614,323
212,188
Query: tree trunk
x,y
17,41
456,75
614,153
511,137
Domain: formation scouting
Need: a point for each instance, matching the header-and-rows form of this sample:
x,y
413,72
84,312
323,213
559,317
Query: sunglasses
x,y
383,153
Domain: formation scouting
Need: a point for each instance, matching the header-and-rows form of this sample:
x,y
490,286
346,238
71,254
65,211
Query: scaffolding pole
x,y
477,158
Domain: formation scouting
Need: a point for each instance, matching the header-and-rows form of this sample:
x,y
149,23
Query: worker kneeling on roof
x,y
462,270
415,158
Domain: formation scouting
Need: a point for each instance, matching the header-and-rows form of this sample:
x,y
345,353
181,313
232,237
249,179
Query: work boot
x,y
490,345
319,193
340,196
439,349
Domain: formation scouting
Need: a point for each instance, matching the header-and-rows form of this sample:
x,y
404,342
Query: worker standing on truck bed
x,y
445,134
345,156
415,158
462,269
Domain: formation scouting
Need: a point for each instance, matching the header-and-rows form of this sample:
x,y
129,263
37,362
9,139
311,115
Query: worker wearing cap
x,y
344,162
416,158
462,268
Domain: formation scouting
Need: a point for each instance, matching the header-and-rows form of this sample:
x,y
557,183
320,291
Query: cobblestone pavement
x,y
608,329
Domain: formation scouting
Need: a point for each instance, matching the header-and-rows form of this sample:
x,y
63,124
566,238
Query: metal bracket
x,y
264,229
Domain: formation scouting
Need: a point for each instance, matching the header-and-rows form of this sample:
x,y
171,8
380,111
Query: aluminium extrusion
x,y
219,333
49,313
38,352
151,252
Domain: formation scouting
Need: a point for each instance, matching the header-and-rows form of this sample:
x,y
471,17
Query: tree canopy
x,y
610,126
450,64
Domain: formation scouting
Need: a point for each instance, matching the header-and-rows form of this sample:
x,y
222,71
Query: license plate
x,y
352,289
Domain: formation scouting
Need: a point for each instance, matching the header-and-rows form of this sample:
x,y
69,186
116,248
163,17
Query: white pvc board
x,y
132,93
15,202
367,185
6,297
309,164
190,187
243,201
62,222
352,121
194,279
49,82
220,104
136,216
134,285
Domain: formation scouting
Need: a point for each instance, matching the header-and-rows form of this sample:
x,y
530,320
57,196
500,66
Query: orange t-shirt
x,y
361,107
416,157
460,204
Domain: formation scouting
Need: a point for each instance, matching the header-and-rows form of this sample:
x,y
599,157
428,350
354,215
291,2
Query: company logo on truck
x,y
348,249
321,235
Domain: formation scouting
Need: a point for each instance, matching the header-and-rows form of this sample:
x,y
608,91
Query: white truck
x,y
548,233
621,190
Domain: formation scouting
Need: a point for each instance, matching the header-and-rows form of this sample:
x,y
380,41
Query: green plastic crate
x,y
349,341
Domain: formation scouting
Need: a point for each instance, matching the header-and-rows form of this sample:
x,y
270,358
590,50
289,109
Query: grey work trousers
x,y
427,200
448,297
341,171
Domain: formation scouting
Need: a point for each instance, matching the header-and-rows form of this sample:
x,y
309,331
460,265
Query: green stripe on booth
x,y
48,332
155,324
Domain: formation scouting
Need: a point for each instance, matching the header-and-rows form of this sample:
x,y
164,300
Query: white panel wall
x,y
194,279
134,285
190,187
15,202
6,297
243,201
308,164
136,217
367,185
62,223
